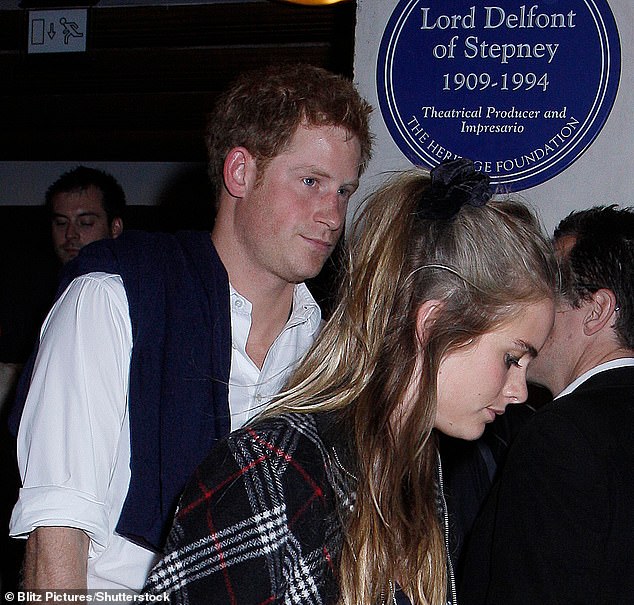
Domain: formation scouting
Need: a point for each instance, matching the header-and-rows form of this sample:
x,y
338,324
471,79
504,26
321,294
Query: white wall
x,y
603,174
25,183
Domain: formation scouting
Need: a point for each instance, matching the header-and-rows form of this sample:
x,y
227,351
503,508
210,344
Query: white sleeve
x,y
69,434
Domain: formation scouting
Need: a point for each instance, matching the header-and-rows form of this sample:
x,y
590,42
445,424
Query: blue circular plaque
x,y
520,88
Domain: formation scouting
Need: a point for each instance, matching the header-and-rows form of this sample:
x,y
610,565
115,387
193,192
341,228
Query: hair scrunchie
x,y
453,184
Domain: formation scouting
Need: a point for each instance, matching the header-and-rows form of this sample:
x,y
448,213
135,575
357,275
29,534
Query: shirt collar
x,y
602,367
305,308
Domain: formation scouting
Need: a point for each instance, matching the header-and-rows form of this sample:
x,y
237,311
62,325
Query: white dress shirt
x,y
251,388
74,437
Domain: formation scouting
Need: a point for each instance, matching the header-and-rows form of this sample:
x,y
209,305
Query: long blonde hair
x,y
483,263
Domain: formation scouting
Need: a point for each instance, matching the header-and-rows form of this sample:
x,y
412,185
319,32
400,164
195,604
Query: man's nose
x,y
331,211
71,231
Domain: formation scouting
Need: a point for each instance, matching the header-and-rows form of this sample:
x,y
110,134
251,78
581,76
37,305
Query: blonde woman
x,y
334,495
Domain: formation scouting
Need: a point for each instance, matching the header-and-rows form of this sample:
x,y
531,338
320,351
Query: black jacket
x,y
559,527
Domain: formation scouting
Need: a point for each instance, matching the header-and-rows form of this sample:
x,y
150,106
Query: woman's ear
x,y
426,316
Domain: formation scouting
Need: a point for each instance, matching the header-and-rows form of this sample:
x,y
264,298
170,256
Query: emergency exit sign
x,y
58,31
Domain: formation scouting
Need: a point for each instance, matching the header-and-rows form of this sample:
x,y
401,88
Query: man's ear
x,y
426,316
601,308
235,171
116,227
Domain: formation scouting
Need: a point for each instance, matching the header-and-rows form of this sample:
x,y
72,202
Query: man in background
x,y
85,205
558,526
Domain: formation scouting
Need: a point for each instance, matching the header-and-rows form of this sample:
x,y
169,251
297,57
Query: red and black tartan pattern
x,y
260,522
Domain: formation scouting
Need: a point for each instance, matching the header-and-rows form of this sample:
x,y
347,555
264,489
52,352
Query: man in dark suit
x,y
558,525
